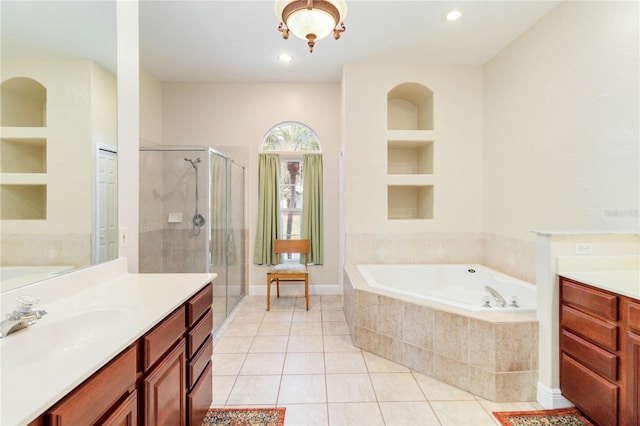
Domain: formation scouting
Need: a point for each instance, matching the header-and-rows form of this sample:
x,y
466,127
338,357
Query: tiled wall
x,y
46,249
507,255
496,360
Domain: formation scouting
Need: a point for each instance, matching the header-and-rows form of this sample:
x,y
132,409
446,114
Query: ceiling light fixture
x,y
454,15
311,20
285,57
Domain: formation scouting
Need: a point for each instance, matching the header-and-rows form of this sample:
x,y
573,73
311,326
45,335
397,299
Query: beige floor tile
x,y
377,364
242,329
222,386
344,362
416,413
457,413
333,315
306,328
227,364
331,302
278,316
307,316
435,390
335,327
396,387
302,389
304,363
362,414
233,345
269,344
306,415
280,303
305,344
262,364
253,303
491,406
349,388
339,343
247,315
274,329
254,390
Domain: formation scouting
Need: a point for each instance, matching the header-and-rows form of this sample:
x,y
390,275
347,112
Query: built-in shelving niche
x,y
23,148
410,152
23,202
410,202
23,155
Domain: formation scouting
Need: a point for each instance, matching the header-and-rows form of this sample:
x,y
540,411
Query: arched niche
x,y
24,103
410,107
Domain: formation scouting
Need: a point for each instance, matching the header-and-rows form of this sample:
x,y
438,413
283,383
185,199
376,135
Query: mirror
x,y
58,138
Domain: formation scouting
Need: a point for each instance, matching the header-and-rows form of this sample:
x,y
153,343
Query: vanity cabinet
x,y
599,353
164,378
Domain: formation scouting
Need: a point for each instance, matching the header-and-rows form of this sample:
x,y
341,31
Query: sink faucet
x,y
496,296
23,316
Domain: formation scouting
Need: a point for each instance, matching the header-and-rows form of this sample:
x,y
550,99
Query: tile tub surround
x,y
491,355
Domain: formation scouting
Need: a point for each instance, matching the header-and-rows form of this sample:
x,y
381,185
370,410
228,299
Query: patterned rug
x,y
560,417
244,417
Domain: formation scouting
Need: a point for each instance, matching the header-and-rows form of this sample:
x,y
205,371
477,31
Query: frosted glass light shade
x,y
311,20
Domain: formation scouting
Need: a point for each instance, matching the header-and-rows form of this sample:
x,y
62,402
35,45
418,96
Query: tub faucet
x,y
23,316
496,296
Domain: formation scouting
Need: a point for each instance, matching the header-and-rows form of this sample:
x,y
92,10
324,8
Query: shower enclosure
x,y
192,218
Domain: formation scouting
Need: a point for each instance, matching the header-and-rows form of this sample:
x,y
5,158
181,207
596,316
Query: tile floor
x,y
305,361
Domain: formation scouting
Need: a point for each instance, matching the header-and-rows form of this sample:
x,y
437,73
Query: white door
x,y
106,245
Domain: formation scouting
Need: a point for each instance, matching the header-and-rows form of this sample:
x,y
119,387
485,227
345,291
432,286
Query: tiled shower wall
x,y
508,255
169,187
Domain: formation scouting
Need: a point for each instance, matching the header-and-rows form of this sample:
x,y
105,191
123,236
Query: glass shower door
x,y
236,234
219,231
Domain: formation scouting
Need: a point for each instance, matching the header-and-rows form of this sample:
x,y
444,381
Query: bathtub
x,y
431,319
460,286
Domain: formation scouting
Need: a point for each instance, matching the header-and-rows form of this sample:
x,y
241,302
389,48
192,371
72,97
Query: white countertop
x,y
619,274
90,319
626,283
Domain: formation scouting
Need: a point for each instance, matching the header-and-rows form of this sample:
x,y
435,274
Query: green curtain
x,y
269,227
312,222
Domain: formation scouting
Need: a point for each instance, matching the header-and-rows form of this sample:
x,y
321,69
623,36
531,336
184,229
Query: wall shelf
x,y
410,152
23,202
410,202
23,155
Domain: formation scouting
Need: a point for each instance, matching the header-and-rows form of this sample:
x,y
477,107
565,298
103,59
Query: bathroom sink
x,y
61,336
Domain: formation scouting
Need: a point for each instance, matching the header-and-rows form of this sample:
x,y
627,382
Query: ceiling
x,y
238,40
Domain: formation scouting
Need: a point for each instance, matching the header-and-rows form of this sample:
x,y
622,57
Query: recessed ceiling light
x,y
454,15
285,57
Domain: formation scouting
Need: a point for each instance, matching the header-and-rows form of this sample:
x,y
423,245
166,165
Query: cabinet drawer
x,y
598,331
198,304
633,315
199,362
598,360
199,333
595,396
200,398
162,337
126,414
597,302
95,397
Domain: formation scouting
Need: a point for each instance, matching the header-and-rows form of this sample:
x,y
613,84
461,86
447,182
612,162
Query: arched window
x,y
297,213
290,137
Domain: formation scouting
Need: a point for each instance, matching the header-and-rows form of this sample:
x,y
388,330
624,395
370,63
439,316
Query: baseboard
x,y
296,290
551,398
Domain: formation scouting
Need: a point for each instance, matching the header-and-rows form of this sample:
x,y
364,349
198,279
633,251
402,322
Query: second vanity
x,y
114,347
600,344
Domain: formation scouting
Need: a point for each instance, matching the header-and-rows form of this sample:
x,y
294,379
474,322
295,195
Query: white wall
x,y
235,117
561,124
150,109
128,129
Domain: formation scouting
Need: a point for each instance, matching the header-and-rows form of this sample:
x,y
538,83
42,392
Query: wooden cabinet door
x,y
633,384
126,414
165,390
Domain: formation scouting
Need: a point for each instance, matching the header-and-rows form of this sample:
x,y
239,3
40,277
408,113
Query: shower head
x,y
195,162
